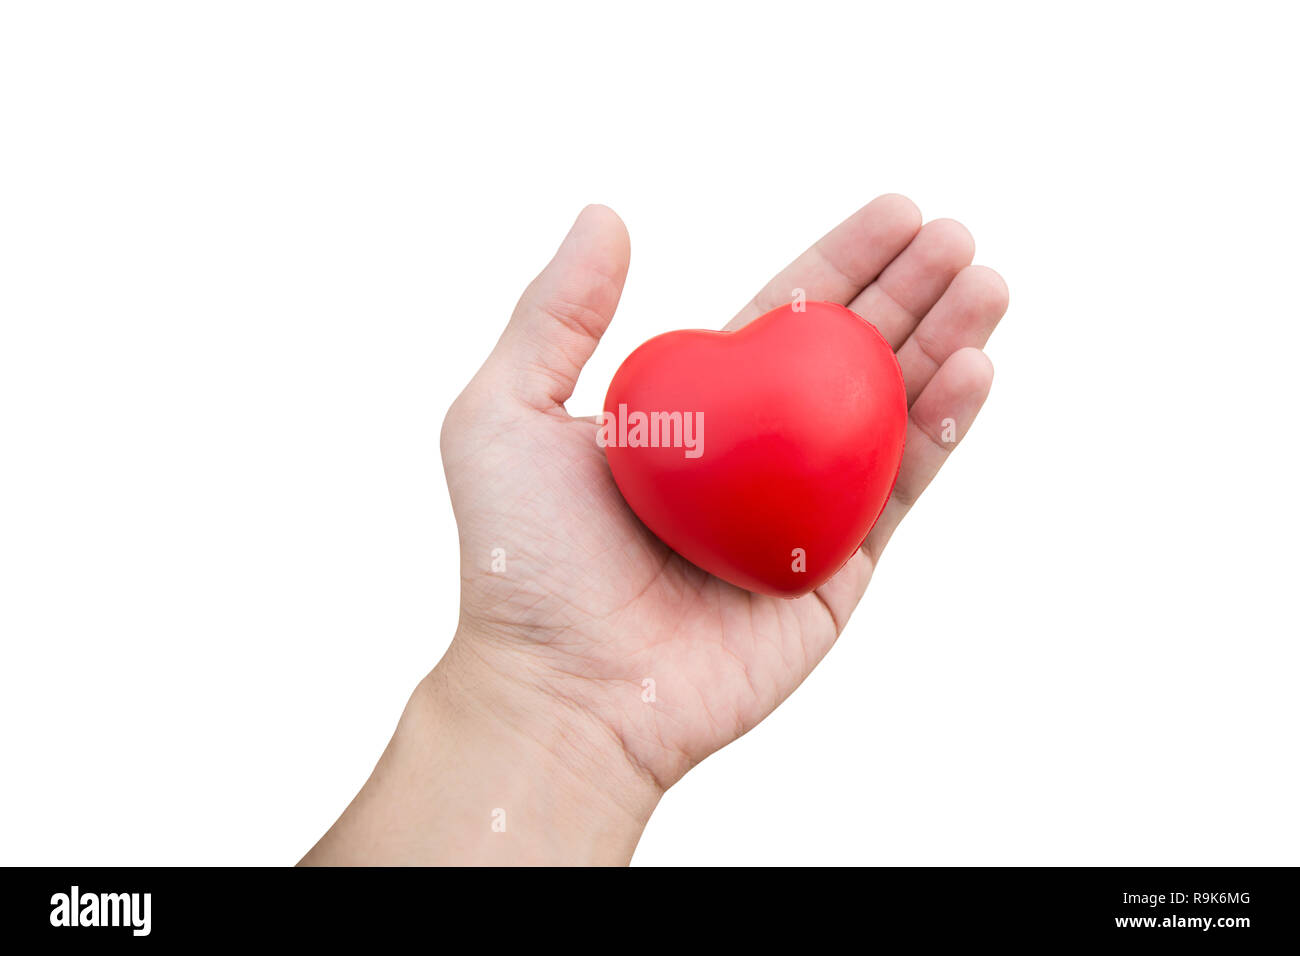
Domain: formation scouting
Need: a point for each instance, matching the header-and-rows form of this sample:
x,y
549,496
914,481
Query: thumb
x,y
564,311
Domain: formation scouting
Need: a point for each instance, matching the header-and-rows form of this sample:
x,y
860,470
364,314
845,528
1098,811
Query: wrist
x,y
562,787
486,767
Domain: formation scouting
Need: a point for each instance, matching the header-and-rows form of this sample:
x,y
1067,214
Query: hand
x,y
590,603
555,646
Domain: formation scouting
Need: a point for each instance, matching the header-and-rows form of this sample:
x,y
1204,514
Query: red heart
x,y
788,440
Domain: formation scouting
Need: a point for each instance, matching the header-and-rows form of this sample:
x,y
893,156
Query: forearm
x,y
483,771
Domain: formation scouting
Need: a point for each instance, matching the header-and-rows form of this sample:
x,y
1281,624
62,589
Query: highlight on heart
x,y
638,429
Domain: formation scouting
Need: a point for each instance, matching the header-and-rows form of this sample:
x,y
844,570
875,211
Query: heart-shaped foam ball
x,y
764,455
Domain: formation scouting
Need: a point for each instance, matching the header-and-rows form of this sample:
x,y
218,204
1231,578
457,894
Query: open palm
x,y
562,586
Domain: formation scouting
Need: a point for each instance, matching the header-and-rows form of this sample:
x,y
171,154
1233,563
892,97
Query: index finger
x,y
844,261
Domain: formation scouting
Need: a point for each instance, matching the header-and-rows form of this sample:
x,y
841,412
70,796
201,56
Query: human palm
x,y
565,590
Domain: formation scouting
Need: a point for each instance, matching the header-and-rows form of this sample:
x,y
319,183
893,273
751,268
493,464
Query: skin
x,y
537,717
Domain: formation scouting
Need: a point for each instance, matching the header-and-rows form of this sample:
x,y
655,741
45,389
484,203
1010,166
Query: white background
x,y
249,252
